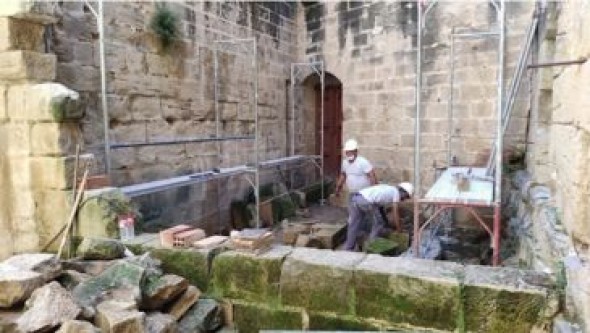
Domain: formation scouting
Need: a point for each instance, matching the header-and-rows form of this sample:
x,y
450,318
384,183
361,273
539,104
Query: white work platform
x,y
481,188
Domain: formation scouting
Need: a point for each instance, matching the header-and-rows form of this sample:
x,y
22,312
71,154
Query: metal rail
x,y
179,141
558,63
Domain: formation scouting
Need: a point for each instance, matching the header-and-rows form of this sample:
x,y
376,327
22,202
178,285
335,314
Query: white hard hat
x,y
408,187
351,145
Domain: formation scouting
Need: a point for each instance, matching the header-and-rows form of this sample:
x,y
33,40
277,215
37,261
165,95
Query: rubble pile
x,y
106,289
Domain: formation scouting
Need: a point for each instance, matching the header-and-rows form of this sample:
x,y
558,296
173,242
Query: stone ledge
x,y
43,102
247,276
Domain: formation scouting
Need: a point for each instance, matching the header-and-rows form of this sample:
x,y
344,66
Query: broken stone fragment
x,y
91,267
184,302
161,290
119,317
160,323
45,264
70,278
77,326
48,307
121,282
100,249
205,316
17,285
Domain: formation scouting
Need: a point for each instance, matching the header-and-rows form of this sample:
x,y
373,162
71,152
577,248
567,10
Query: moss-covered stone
x,y
100,249
253,317
99,211
247,276
319,280
383,246
191,264
333,322
502,299
416,292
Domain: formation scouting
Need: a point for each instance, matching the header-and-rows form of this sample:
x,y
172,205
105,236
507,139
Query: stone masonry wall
x,y
559,152
371,47
155,94
38,132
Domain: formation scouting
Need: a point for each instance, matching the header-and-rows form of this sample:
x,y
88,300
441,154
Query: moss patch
x,y
333,322
383,246
411,292
191,264
252,317
249,277
319,280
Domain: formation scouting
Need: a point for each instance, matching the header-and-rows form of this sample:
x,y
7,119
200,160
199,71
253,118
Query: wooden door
x,y
332,128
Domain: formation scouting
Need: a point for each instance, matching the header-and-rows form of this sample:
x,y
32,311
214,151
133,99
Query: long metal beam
x,y
179,141
558,63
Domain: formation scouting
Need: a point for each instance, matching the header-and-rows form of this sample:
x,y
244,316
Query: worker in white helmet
x,y
364,205
356,170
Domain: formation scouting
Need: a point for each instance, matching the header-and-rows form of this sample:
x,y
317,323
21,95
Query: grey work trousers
x,y
359,211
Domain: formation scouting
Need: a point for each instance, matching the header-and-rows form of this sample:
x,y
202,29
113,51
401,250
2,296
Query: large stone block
x,y
249,277
16,34
57,172
191,264
26,66
320,280
417,292
253,317
502,299
97,217
331,322
54,139
44,102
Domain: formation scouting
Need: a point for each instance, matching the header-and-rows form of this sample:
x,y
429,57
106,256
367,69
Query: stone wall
x,y
156,94
301,288
558,153
38,132
371,48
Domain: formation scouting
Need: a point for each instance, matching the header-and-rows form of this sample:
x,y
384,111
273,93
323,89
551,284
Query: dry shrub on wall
x,y
165,25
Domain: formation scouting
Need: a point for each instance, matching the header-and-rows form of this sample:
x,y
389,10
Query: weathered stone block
x,y
48,307
205,316
97,217
331,322
320,280
30,10
253,317
121,281
417,292
26,66
54,139
501,299
100,249
18,34
16,285
247,276
57,172
191,264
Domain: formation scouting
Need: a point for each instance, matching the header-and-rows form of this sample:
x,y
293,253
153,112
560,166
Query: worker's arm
x,y
340,183
372,177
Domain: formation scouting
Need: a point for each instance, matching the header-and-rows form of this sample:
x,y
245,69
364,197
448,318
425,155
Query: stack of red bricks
x,y
181,236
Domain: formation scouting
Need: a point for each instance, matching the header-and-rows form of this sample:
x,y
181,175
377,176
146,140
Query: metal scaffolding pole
x,y
499,135
99,16
257,132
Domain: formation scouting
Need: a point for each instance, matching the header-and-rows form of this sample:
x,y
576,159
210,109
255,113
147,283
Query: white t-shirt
x,y
381,194
357,177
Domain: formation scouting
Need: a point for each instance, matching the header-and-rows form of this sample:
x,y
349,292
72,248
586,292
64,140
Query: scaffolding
x,y
485,191
250,171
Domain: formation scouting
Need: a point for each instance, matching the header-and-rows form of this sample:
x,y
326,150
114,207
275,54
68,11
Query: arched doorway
x,y
332,120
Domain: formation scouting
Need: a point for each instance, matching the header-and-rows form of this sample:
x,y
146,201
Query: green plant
x,y
164,23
